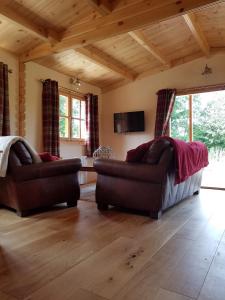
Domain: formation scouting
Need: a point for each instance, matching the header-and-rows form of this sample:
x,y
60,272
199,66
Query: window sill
x,y
72,141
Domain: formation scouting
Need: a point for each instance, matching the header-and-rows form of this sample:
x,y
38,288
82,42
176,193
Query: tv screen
x,y
129,122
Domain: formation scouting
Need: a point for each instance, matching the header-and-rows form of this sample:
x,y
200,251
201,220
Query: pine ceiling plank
x,y
134,17
196,31
142,40
118,22
103,59
103,7
13,17
156,70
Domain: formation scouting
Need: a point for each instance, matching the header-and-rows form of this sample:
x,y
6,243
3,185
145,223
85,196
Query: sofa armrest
x,y
46,169
135,171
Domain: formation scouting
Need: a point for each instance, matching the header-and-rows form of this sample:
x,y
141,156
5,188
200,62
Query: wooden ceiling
x,y
109,43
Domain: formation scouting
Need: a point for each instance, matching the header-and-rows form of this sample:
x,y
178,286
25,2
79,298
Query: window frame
x,y
190,92
72,95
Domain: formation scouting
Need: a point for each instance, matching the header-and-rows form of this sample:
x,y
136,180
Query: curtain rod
x,y
64,88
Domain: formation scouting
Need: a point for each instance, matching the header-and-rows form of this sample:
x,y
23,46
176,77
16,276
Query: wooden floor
x,y
82,254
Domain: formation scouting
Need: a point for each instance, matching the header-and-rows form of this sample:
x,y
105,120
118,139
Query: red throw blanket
x,y
190,158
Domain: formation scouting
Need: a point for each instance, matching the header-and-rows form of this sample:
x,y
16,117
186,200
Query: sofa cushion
x,y
13,160
136,155
46,156
22,153
156,149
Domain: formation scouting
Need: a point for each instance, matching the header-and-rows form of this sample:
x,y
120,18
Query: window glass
x,y
82,115
63,127
75,108
83,129
63,105
179,125
75,129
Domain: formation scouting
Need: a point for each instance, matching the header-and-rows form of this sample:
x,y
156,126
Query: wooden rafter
x,y
153,71
196,31
142,40
137,35
103,7
103,59
122,21
14,17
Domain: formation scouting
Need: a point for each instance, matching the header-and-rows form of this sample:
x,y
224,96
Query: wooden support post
x,y
21,124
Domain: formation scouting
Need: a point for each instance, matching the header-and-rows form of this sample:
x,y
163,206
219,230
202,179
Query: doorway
x,y
201,117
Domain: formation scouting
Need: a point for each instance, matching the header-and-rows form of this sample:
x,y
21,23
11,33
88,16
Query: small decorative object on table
x,y
103,152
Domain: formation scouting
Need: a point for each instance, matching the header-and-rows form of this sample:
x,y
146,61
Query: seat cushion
x,y
22,153
153,155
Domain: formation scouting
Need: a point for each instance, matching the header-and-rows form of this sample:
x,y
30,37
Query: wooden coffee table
x,y
87,169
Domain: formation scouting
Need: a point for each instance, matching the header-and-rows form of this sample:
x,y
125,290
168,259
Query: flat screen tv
x,y
129,122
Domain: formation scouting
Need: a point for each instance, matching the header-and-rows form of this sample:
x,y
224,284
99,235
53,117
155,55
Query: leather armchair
x,y
147,187
29,185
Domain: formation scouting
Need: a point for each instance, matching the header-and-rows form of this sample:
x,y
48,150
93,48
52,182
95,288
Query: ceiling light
x,y
207,70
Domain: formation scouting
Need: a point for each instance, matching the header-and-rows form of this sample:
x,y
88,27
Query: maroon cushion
x,y
22,153
153,154
46,156
136,154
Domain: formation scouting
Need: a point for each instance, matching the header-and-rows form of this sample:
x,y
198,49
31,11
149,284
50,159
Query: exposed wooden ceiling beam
x,y
103,7
137,35
154,71
197,33
142,40
3,3
106,61
13,16
122,21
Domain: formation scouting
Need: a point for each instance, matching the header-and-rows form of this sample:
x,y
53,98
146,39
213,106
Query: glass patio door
x,y
201,117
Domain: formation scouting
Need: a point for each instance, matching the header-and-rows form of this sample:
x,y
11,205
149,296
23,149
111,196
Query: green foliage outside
x,y
63,111
75,128
208,121
179,125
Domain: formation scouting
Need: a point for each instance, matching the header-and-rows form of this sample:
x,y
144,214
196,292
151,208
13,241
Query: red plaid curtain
x,y
4,100
92,142
50,114
165,105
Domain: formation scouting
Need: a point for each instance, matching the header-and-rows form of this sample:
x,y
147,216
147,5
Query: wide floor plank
x,y
81,253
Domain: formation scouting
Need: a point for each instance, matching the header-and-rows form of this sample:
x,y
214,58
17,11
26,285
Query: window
x,y
71,117
201,117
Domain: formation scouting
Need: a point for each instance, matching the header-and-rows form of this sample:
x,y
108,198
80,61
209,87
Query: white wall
x,y
141,95
13,64
34,73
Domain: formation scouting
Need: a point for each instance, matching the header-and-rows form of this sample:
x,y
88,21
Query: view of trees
x,y
208,112
63,120
208,119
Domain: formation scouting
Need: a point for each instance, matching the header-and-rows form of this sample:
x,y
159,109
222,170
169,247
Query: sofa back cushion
x,y
22,153
136,155
13,161
155,151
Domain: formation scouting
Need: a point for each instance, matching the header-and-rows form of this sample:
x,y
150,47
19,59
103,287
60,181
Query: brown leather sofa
x,y
148,186
30,185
